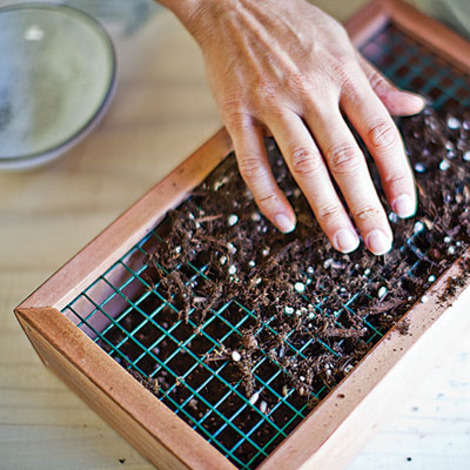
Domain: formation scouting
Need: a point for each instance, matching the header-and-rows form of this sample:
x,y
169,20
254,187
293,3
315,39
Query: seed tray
x,y
84,319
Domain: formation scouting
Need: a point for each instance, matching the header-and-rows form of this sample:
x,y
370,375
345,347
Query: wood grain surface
x,y
162,111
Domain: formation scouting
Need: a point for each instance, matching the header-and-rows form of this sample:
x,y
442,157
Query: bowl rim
x,y
43,156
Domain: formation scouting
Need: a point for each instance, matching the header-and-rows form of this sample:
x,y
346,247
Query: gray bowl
x,y
57,78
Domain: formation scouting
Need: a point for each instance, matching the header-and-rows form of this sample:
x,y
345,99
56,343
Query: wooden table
x,y
162,111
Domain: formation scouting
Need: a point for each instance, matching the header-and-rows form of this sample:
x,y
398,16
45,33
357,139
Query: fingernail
x,y
378,242
416,100
345,240
284,223
403,206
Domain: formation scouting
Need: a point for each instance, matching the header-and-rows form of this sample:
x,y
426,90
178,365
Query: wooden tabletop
x,y
162,111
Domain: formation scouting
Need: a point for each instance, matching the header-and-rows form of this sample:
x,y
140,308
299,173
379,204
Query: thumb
x,y
398,102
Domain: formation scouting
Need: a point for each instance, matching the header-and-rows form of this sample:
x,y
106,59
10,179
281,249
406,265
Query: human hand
x,y
290,69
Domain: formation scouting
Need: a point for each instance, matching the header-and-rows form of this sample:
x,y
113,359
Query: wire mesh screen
x,y
131,314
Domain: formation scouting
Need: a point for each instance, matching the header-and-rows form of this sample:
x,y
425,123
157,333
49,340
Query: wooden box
x,y
336,428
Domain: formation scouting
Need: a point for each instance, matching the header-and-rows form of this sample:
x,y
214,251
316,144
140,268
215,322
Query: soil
x,y
283,318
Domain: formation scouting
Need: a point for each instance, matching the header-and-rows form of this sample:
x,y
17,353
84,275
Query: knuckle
x,y
343,158
377,82
351,90
299,82
250,167
343,68
305,162
237,119
367,213
396,179
329,212
266,95
267,199
268,202
383,135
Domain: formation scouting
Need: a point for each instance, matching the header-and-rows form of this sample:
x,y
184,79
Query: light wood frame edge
x,y
130,227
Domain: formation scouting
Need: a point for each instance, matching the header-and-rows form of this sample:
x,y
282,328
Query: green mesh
x,y
123,292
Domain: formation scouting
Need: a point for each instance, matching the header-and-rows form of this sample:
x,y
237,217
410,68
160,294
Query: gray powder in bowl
x,y
56,69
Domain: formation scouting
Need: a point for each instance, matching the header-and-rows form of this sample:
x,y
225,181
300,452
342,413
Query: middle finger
x,y
348,167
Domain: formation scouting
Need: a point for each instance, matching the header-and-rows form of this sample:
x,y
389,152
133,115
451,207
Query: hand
x,y
289,68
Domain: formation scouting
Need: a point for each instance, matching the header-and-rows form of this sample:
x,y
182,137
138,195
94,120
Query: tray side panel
x,y
366,22
116,396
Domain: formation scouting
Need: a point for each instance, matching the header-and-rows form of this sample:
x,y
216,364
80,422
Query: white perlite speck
x,y
431,278
418,226
219,184
254,398
393,217
299,287
236,356
232,269
420,168
288,310
251,263
222,260
453,123
466,156
263,407
444,165
382,292
424,299
265,251
255,217
231,248
232,219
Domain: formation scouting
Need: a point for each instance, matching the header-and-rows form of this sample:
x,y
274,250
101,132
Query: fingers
x,y
348,167
398,102
255,170
307,167
370,118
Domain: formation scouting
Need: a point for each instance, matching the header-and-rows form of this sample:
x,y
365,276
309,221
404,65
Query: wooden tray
x,y
337,427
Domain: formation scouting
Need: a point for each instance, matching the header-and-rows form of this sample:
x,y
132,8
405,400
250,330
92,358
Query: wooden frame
x,y
335,429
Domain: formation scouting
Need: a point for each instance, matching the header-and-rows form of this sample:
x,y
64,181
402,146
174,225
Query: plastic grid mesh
x,y
122,304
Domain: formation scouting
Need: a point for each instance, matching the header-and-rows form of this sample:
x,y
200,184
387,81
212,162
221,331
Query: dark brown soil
x,y
256,304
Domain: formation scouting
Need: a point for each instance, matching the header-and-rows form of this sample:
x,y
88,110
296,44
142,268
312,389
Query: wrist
x,y
197,15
